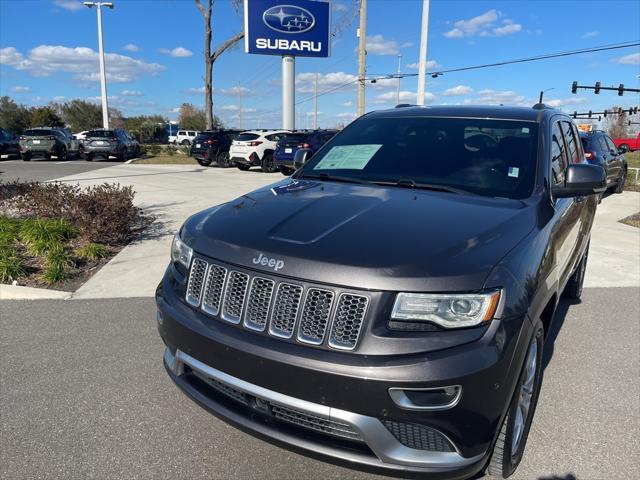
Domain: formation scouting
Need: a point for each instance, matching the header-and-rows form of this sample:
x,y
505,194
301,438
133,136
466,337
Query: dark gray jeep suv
x,y
386,306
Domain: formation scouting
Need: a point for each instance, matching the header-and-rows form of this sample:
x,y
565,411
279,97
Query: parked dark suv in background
x,y
387,307
289,145
8,143
114,142
213,147
599,149
46,142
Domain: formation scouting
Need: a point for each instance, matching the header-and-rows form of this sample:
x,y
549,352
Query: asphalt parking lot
x,y
85,396
44,170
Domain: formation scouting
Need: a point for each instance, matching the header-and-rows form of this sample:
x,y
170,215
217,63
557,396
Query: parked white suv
x,y
254,148
185,137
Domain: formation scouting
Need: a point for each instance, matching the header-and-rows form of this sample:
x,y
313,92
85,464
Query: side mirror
x,y
73,137
581,180
302,156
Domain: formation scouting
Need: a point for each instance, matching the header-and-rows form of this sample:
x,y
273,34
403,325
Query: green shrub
x,y
11,266
153,150
92,251
43,235
55,265
171,150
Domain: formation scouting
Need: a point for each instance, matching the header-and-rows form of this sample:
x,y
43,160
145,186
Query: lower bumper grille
x,y
419,437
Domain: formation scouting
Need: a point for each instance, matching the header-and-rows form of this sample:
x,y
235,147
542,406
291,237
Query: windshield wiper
x,y
411,183
335,178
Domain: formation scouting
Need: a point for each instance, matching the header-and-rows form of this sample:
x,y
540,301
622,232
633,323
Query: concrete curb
x,y
17,292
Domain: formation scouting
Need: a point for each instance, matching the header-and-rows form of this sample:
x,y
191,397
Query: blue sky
x,y
154,56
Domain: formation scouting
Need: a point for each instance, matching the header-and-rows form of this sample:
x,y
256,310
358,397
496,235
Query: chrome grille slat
x,y
347,321
315,316
314,422
285,310
196,281
234,295
213,289
256,313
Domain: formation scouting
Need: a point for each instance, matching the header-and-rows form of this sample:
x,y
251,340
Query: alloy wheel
x,y
526,395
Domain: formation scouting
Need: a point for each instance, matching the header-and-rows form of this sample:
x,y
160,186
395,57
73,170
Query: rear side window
x,y
37,133
610,145
558,155
275,137
101,134
246,137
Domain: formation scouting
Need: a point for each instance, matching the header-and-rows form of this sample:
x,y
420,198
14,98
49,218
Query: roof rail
x,y
404,105
542,106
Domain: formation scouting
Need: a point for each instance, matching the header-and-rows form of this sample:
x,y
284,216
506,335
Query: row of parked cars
x,y
271,150
48,142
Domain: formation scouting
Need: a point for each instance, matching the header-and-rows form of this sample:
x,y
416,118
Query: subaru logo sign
x,y
288,19
299,28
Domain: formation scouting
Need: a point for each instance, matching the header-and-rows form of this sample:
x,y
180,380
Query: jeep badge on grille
x,y
274,263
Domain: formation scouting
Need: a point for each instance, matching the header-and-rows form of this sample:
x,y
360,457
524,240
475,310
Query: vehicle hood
x,y
363,236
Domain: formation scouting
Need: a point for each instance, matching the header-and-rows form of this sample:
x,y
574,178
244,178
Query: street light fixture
x,y
103,76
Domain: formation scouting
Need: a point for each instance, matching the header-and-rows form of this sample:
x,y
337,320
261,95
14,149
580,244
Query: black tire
x,y
184,143
223,159
268,164
503,460
243,167
62,154
621,181
204,162
88,157
286,171
122,156
573,290
25,157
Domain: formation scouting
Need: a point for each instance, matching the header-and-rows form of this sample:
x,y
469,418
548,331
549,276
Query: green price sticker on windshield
x,y
348,157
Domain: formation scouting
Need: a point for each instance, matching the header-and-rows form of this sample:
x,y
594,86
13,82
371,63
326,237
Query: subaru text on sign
x,y
300,28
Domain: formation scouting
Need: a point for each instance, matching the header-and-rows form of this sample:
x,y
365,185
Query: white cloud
x,y
20,89
595,33
561,102
406,45
178,52
498,97
631,59
195,90
457,91
346,115
131,47
82,62
405,97
131,93
430,64
237,90
484,25
339,7
71,5
58,98
348,103
378,45
305,81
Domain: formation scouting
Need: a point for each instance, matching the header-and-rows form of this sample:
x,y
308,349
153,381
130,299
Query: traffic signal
x,y
574,87
597,89
590,113
575,114
621,89
605,114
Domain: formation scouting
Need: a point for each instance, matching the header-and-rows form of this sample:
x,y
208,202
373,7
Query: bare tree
x,y
206,9
616,125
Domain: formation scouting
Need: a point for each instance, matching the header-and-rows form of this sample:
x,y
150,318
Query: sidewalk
x,y
171,193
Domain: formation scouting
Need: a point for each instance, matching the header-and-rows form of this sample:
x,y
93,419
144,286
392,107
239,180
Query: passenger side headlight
x,y
180,252
445,310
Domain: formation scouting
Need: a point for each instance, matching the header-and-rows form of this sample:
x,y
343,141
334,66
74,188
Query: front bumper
x,y
342,387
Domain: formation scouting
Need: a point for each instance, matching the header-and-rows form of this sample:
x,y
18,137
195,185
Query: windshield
x,y
487,157
101,134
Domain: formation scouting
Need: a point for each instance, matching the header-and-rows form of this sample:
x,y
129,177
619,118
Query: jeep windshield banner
x,y
288,27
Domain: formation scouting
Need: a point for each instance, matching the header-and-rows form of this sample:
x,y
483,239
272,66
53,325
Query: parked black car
x,y
288,146
387,307
8,143
47,142
599,149
212,146
106,143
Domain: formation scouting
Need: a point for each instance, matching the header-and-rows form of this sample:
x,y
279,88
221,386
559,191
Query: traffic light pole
x,y
597,88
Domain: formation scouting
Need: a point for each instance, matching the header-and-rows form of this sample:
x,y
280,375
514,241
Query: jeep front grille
x,y
314,422
318,316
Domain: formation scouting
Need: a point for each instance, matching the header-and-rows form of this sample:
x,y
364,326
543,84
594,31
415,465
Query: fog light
x,y
439,398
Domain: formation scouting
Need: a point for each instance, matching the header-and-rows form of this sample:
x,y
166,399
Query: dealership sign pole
x,y
294,28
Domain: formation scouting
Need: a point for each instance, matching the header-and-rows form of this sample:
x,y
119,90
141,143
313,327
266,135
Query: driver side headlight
x,y
445,310
180,253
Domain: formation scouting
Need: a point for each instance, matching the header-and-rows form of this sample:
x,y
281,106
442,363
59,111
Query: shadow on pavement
x,y
558,320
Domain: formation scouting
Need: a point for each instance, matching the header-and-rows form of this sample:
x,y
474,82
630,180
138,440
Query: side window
x,y
610,145
558,155
571,141
602,144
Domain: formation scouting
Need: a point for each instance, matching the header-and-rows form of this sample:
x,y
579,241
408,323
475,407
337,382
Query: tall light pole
x,y
399,78
103,76
362,52
315,103
422,62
